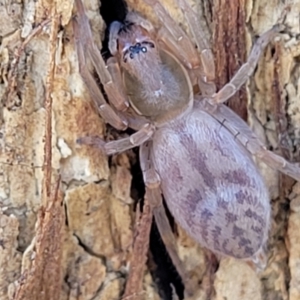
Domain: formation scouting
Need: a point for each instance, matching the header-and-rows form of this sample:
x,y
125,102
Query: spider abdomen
x,y
212,186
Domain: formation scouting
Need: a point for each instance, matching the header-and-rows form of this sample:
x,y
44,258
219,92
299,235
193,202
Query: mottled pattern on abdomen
x,y
212,186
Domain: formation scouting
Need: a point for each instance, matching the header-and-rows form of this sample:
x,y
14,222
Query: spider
x,y
194,150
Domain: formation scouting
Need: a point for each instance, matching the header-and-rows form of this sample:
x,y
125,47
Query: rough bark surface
x,y
67,232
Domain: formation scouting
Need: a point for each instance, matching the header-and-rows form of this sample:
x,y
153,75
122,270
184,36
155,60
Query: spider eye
x,y
144,49
131,48
138,45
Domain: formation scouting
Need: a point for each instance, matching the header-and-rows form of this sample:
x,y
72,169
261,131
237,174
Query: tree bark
x,y
67,213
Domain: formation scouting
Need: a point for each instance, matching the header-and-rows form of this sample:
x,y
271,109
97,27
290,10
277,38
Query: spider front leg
x,y
174,37
179,43
153,192
206,54
107,113
111,80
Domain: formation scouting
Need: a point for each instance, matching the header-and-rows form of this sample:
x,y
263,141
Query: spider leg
x,y
206,54
153,192
115,89
174,37
107,113
246,70
117,146
135,18
179,43
242,132
111,81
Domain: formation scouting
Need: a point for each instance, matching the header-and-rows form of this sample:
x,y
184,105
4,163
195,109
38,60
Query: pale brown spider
x,y
193,149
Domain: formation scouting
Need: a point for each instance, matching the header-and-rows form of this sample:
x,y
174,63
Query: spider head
x,y
133,44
